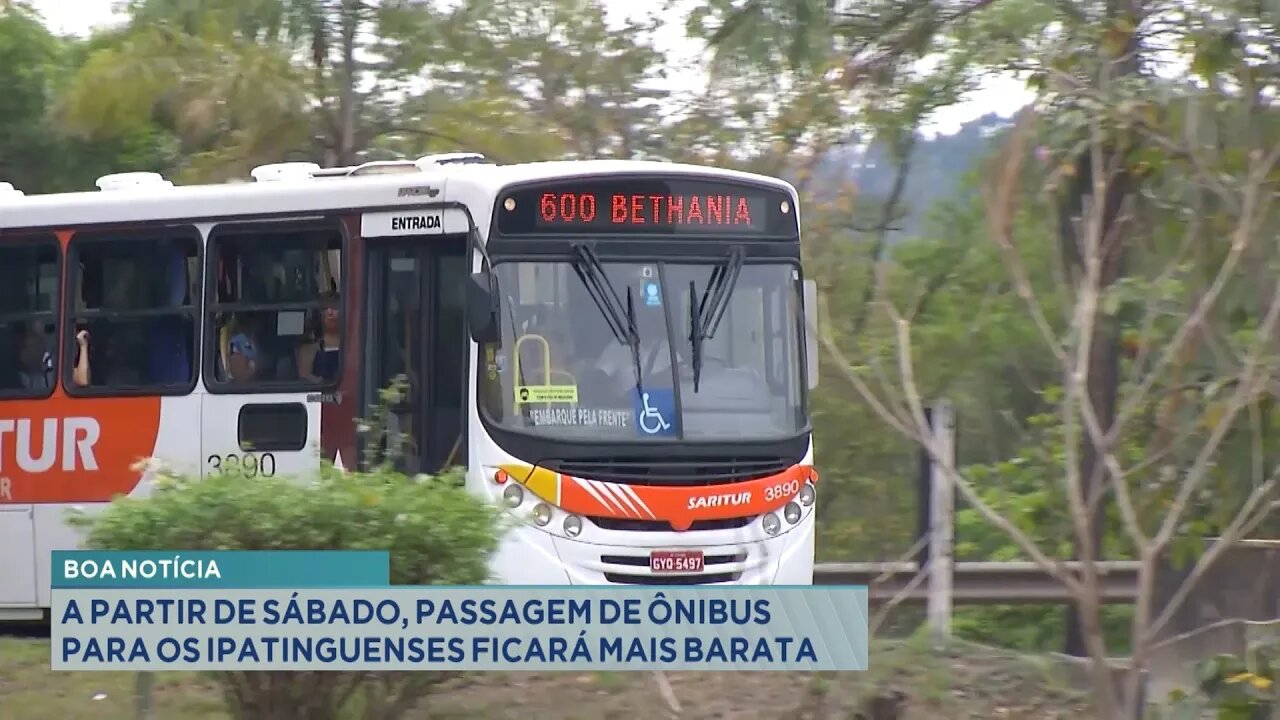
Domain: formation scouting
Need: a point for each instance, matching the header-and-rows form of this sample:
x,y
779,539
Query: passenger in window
x,y
35,363
242,350
120,359
318,357
80,373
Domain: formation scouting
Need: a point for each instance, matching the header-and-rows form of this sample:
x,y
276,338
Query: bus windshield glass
x,y
632,351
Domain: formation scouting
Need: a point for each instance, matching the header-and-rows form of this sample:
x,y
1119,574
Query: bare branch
x,y
881,229
1000,217
905,592
847,369
668,693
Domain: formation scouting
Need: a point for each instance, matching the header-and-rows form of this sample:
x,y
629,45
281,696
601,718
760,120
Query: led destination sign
x,y
648,207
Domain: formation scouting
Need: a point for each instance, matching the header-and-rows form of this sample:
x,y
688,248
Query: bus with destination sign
x,y
615,352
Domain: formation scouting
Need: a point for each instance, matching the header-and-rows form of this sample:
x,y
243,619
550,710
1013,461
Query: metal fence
x,y
980,583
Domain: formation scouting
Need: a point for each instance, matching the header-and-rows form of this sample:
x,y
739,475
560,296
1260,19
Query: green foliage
x,y
244,83
34,155
1036,628
774,36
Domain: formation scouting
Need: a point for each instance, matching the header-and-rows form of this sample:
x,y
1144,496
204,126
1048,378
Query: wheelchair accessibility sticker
x,y
655,411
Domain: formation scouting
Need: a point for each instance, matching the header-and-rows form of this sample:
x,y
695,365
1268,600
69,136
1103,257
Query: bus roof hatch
x,y
277,172
458,158
128,180
385,167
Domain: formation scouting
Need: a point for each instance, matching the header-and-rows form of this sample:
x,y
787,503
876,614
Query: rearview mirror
x,y
811,331
482,314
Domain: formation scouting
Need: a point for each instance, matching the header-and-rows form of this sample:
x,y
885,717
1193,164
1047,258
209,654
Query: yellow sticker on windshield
x,y
546,394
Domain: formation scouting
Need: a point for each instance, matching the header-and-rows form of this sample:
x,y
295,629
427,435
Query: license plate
x,y
675,561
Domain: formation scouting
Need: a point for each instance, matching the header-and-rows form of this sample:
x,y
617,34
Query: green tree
x,y
526,80
34,68
243,83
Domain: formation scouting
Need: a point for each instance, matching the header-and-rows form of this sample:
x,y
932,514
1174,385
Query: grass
x,y
29,690
962,681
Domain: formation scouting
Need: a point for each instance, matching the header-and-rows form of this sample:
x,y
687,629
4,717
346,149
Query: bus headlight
x,y
513,495
573,526
771,524
541,514
792,513
807,494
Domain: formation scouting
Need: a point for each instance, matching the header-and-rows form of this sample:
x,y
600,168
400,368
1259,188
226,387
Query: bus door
x,y
416,337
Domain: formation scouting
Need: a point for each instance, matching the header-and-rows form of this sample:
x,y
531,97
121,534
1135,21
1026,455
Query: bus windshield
x,y
568,366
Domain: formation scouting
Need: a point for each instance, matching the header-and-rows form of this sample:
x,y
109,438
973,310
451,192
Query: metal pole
x,y
924,501
942,515
143,682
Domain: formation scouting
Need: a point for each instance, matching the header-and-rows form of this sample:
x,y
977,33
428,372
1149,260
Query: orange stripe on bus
x,y
63,450
680,506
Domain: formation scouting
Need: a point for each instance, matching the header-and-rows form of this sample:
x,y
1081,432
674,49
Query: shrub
x,y
435,532
1231,688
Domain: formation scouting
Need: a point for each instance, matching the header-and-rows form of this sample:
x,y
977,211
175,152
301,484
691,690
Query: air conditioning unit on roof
x,y
131,180
278,172
453,159
386,167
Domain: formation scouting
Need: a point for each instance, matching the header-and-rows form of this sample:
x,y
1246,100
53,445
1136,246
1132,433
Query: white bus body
x,y
182,290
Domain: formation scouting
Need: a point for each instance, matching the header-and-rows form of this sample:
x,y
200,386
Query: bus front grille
x,y
630,525
704,579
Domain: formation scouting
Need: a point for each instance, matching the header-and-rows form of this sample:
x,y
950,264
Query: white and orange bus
x,y
616,352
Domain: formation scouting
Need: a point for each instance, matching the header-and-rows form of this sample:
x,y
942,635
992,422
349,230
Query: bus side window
x,y
276,315
133,313
29,278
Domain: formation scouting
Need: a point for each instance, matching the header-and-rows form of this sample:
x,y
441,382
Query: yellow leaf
x,y
1259,682
1239,677
1213,414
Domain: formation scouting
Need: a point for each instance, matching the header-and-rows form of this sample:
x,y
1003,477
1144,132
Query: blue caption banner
x,y
249,611
221,569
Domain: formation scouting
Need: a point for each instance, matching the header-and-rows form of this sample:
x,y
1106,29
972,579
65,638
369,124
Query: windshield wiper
x,y
621,319
705,314
634,342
